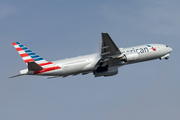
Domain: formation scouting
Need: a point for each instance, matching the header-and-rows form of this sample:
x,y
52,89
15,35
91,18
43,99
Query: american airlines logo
x,y
140,50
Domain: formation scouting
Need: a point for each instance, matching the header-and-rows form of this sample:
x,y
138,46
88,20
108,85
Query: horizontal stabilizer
x,y
50,77
16,75
32,66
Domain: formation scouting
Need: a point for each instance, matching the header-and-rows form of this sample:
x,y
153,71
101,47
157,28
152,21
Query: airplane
x,y
104,64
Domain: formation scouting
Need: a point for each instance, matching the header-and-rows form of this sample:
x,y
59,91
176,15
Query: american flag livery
x,y
29,56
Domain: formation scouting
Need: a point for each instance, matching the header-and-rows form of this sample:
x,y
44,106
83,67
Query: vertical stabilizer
x,y
35,63
29,56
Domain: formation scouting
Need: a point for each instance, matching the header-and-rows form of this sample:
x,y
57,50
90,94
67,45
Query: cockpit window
x,y
166,46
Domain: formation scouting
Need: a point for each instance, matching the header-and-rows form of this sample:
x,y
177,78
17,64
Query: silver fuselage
x,y
85,64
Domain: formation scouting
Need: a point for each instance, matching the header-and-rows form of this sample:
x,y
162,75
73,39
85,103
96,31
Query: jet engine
x,y
107,73
130,57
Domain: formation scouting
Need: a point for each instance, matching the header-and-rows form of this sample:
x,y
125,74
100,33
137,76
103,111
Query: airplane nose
x,y
170,49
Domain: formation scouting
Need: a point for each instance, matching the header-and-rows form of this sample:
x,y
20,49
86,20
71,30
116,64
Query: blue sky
x,y
58,29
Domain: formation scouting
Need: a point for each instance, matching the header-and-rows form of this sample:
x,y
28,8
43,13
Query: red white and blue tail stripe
x,y
29,56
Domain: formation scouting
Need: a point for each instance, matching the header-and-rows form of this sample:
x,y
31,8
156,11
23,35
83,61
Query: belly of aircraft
x,y
74,68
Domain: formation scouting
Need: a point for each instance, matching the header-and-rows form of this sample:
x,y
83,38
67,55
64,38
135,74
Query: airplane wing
x,y
108,48
109,51
110,54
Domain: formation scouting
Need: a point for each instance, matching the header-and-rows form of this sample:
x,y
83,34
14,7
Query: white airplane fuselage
x,y
105,63
85,64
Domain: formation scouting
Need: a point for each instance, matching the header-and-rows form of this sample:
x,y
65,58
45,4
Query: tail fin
x,y
29,56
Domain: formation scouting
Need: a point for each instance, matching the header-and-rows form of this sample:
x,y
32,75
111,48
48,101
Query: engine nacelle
x,y
107,73
130,57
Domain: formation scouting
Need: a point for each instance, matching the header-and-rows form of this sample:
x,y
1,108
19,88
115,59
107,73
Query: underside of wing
x,y
110,56
108,48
